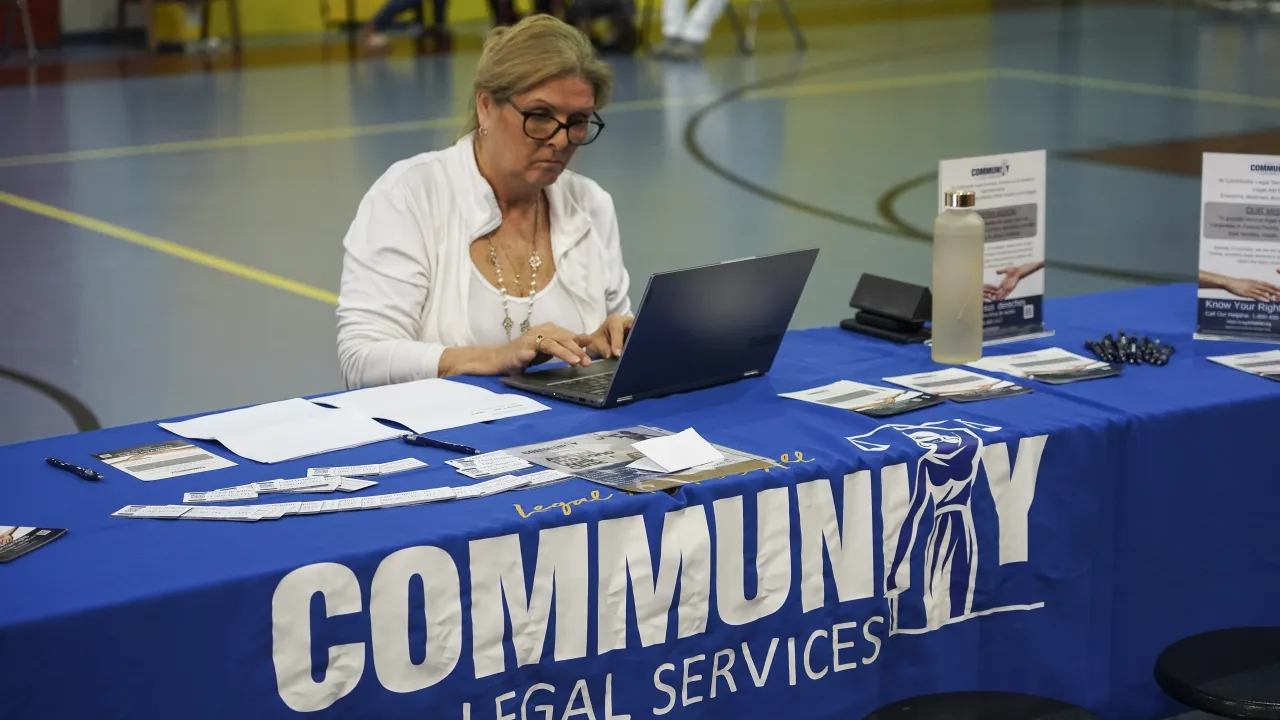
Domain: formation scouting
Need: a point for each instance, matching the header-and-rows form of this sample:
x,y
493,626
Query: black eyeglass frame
x,y
542,114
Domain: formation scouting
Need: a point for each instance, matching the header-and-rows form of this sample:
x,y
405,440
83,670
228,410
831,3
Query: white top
x,y
406,274
551,304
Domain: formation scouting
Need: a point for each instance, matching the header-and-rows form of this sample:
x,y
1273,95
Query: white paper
x,y
285,430
367,470
1239,279
284,486
159,461
396,466
346,471
494,463
489,487
434,404
416,497
1010,197
546,477
228,495
275,511
951,381
1264,364
330,485
849,395
674,453
166,512
240,514
352,484
1028,364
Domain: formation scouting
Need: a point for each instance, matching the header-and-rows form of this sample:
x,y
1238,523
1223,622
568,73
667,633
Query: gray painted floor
x,y
263,169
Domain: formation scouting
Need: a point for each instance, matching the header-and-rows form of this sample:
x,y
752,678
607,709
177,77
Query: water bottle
x,y
958,235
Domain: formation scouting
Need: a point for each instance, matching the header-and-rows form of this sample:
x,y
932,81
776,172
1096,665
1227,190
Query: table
x,y
1150,517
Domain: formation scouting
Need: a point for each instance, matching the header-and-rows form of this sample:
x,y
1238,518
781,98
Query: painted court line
x,y
172,249
280,282
358,131
1138,88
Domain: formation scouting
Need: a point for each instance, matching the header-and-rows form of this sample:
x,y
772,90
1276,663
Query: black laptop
x,y
695,328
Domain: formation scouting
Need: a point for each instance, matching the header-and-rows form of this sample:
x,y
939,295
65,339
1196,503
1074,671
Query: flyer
x,y
16,541
1055,366
163,460
870,400
1263,364
605,457
1010,197
1239,295
959,385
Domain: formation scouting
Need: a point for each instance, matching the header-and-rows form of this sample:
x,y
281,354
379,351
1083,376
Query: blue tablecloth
x,y
1152,509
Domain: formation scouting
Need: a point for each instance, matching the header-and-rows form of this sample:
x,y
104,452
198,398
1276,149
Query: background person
x,y
684,31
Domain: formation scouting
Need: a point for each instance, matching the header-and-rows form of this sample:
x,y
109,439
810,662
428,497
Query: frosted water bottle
x,y
958,236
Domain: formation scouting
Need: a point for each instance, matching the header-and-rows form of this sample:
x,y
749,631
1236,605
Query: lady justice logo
x,y
944,479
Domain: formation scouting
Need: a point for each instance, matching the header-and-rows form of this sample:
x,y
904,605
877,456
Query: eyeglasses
x,y
540,125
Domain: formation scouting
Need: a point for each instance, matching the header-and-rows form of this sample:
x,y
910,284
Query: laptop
x,y
695,328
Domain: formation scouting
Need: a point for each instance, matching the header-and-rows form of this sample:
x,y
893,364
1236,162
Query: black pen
x,y
85,473
424,441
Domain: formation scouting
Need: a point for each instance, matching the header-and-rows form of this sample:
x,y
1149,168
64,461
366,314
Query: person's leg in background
x,y
504,12
684,31
375,34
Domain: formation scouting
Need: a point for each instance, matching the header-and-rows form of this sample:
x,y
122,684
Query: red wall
x,y
45,23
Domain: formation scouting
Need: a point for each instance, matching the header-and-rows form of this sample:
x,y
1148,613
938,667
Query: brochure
x,y
606,457
959,385
870,400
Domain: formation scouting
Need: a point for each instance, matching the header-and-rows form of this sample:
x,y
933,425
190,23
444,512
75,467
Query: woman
x,y
483,257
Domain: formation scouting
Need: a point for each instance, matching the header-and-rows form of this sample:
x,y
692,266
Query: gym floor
x,y
170,241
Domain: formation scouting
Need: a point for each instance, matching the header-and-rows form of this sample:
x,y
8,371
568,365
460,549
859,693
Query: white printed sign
x,y
1239,248
1010,192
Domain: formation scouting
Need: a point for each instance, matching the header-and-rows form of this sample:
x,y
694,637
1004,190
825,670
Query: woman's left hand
x,y
606,342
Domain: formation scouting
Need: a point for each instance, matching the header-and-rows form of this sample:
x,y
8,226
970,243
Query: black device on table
x,y
695,328
890,309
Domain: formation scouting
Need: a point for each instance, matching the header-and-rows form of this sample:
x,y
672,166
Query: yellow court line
x,y
884,83
1138,88
170,248
280,138
356,131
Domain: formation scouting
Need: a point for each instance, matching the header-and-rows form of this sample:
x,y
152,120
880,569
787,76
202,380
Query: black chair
x,y
980,706
1233,673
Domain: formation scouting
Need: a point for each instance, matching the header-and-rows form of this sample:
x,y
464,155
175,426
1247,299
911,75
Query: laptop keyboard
x,y
593,385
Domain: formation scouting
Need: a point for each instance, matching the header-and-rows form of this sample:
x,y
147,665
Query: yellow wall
x,y
287,17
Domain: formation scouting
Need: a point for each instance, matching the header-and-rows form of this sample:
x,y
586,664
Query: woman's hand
x,y
547,339
607,340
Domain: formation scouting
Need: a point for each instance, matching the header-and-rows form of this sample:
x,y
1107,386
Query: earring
x,y
484,130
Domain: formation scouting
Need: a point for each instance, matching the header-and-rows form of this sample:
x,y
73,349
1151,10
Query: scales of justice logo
x,y
943,481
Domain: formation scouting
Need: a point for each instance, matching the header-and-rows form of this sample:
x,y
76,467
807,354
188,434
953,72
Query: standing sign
x,y
1010,192
1239,248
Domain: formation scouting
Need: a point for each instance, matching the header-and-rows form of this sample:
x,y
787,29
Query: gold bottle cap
x,y
960,198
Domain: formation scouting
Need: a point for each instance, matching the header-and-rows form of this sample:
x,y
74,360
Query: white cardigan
x,y
407,267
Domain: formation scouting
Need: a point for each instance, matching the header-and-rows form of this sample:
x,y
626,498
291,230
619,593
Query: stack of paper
x,y
1263,364
488,464
375,469
490,487
434,404
959,385
1051,365
871,400
674,453
285,430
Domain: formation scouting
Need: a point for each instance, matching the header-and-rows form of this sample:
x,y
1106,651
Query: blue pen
x,y
424,441
85,473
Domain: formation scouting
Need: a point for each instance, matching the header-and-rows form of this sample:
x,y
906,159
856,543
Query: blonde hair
x,y
537,49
